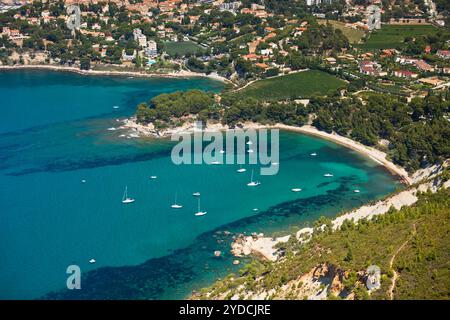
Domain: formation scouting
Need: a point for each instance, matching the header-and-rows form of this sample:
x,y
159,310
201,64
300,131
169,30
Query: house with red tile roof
x,y
422,65
405,74
444,54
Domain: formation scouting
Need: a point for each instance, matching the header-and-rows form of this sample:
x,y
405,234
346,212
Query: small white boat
x,y
176,205
83,181
125,198
115,107
249,143
196,194
112,129
296,189
240,170
222,151
275,163
356,191
153,177
327,175
215,162
255,209
313,154
253,183
250,150
199,212
92,261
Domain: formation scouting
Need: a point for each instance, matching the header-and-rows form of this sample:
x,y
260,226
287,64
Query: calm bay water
x,y
54,134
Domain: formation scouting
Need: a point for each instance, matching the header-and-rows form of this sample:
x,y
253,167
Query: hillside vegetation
x,y
414,134
412,244
353,35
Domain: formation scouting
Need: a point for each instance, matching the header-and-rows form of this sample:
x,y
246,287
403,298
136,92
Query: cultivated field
x,y
392,36
295,85
181,47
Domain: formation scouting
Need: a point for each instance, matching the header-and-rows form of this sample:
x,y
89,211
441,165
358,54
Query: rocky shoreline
x,y
265,247
179,74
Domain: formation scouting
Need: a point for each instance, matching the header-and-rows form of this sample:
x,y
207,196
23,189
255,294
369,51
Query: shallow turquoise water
x,y
53,134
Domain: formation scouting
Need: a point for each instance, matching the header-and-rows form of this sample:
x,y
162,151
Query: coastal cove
x,y
61,129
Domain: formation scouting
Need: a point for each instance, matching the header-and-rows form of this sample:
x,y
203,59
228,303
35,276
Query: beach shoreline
x,y
174,75
376,155
266,247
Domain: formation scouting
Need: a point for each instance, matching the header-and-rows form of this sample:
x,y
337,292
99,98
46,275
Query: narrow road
x,y
391,262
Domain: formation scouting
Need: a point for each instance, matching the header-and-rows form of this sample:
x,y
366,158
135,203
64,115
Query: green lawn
x,y
295,85
182,47
352,35
392,36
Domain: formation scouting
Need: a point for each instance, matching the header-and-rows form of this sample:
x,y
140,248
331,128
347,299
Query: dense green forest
x,y
421,264
415,134
418,132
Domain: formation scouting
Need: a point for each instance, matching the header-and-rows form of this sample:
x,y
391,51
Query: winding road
x,y
391,262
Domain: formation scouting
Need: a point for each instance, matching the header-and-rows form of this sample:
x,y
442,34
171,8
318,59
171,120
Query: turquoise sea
x,y
54,134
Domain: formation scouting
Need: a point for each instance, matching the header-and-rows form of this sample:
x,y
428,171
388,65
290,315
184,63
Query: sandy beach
x,y
376,155
179,74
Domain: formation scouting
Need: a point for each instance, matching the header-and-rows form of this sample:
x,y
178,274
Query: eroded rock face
x,y
321,282
258,245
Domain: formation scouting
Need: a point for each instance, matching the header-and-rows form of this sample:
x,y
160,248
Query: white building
x,y
152,49
317,2
230,6
139,37
127,57
374,17
266,52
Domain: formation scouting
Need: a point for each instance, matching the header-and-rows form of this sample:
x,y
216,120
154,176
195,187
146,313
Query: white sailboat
x,y
313,154
356,191
253,183
92,261
196,194
249,143
125,198
199,212
296,189
176,205
327,175
240,170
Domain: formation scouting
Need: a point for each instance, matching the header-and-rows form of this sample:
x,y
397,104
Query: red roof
x,y
406,73
445,53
